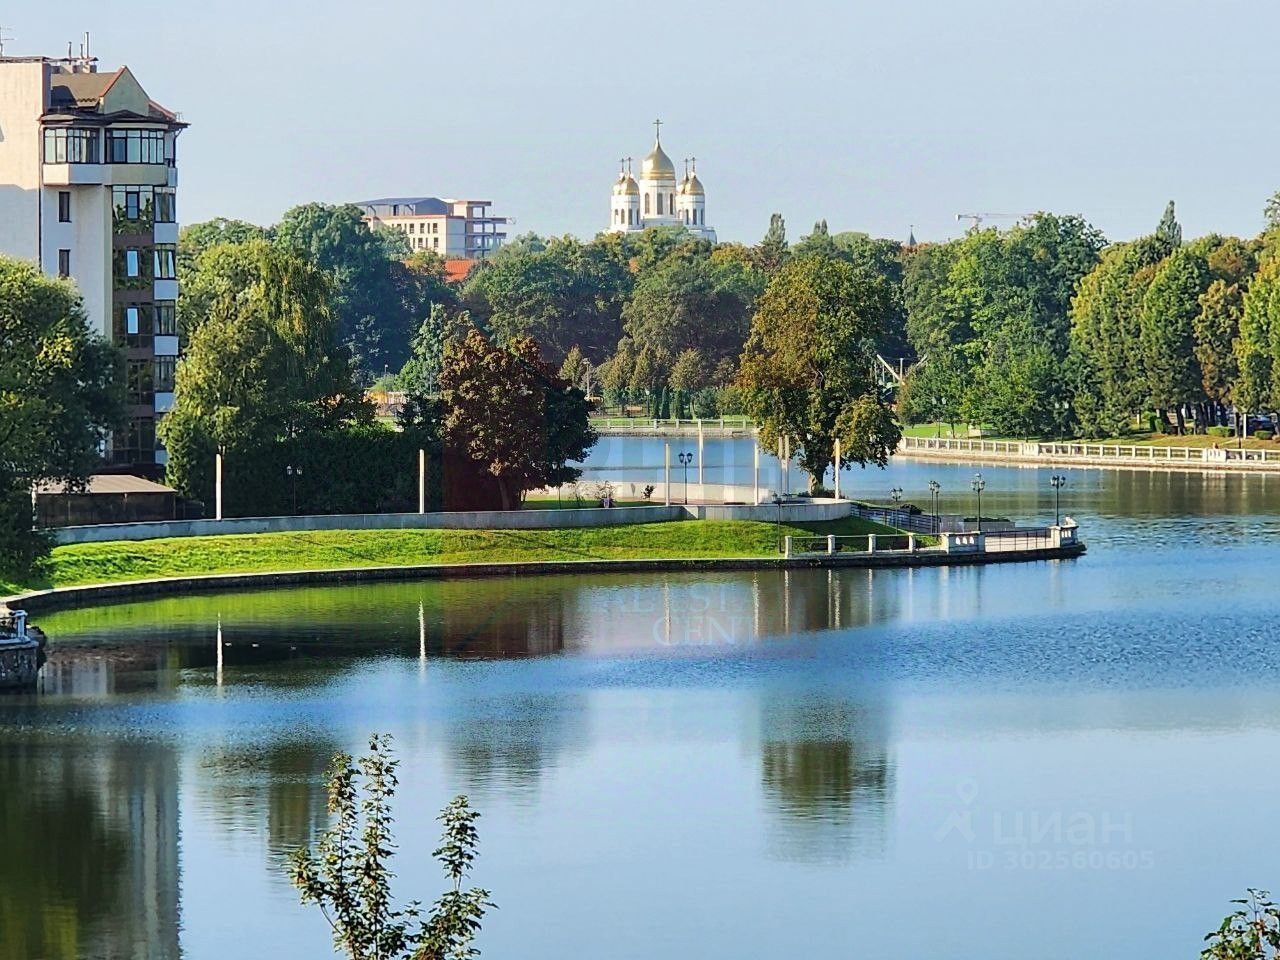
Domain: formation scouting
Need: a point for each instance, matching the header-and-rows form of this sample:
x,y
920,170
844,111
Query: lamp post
x,y
1057,481
934,487
777,521
896,495
978,485
293,473
685,459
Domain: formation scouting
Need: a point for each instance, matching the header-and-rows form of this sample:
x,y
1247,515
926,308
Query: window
x,y
140,442
165,369
646,203
68,145
136,146
134,324
64,206
140,382
436,242
166,318
166,205
435,228
64,263
133,263
659,204
166,262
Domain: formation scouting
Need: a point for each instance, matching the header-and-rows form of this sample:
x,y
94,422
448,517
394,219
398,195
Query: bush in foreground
x,y
349,874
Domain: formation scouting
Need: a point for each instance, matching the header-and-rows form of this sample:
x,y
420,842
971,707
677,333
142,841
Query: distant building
x,y
454,229
657,200
88,190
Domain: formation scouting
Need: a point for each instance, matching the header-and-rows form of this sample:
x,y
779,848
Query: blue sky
x,y
875,116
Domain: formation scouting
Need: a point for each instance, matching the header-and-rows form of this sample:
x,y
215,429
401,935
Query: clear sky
x,y
873,115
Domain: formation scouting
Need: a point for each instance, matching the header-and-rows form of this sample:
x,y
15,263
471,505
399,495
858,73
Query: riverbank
x,y
1131,456
119,561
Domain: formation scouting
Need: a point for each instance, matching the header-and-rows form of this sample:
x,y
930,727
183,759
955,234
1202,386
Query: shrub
x,y
1263,434
1218,431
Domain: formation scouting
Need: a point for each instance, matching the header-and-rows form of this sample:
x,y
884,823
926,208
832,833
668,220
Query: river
x,y
1058,759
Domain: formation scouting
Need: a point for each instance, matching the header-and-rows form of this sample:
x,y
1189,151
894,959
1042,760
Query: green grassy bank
x,y
121,560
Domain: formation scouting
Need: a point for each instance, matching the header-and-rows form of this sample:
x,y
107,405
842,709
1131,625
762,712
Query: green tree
x,y
1168,230
421,371
507,412
196,238
567,294
807,367
817,244
1259,339
349,874
1169,310
60,395
694,303
771,252
262,366
1231,263
1250,932
368,295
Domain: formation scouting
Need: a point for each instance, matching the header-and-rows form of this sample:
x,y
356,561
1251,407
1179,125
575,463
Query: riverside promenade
x,y
1076,453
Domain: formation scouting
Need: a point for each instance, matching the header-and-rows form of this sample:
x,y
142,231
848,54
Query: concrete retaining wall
x,y
800,512
470,520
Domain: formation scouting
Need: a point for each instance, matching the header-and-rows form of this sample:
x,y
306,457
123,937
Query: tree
x,y
693,303
60,396
196,238
807,366
508,413
421,372
816,244
263,366
1169,231
1259,339
368,293
771,252
1169,310
349,874
1250,932
567,294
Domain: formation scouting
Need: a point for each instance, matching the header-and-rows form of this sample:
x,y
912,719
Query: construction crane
x,y
975,219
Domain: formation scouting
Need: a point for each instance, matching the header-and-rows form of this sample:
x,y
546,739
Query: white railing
x,y
1068,450
13,627
711,426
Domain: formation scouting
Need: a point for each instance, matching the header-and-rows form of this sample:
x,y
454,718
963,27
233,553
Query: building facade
x,y
454,229
88,188
657,199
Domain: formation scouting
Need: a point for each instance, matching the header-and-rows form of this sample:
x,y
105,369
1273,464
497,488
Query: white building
x,y
454,229
658,200
87,190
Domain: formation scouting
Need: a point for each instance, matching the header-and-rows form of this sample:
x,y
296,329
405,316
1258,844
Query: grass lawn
x,y
244,553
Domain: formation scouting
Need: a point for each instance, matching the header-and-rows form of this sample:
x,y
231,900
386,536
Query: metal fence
x,y
1120,452
1019,538
898,517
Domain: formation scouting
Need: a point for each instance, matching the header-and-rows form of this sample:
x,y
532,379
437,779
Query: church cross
x,y
694,162
657,129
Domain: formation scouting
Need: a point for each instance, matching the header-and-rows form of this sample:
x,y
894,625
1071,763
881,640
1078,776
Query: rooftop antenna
x,y
3,38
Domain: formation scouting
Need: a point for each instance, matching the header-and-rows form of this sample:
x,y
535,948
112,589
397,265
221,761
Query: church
x,y
658,200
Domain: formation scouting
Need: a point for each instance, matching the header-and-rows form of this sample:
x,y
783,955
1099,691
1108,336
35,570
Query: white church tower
x,y
658,199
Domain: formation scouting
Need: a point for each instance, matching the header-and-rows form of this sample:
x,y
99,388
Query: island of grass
x,y
123,560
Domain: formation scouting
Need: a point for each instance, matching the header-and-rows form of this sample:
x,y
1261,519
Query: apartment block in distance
x,y
87,190
454,229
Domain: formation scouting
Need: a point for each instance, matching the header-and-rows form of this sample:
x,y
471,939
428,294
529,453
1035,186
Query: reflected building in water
x,y
89,835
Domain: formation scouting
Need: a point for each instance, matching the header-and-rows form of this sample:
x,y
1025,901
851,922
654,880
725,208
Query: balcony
x,y
108,174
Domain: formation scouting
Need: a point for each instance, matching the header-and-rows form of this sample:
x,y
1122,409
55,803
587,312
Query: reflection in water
x,y
275,791
89,847
828,777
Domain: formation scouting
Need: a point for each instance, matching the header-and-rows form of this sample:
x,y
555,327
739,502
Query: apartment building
x,y
88,185
454,229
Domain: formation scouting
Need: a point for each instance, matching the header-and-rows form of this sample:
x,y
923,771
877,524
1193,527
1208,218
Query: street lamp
x,y
1057,481
293,473
685,459
777,523
895,495
978,485
934,487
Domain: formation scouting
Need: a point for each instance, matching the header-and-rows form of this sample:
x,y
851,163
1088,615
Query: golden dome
x,y
626,186
657,165
692,187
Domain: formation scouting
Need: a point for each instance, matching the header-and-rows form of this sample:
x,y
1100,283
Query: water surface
x,y
1060,759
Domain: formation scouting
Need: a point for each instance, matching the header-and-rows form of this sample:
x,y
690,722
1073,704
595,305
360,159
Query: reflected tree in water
x,y
828,778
